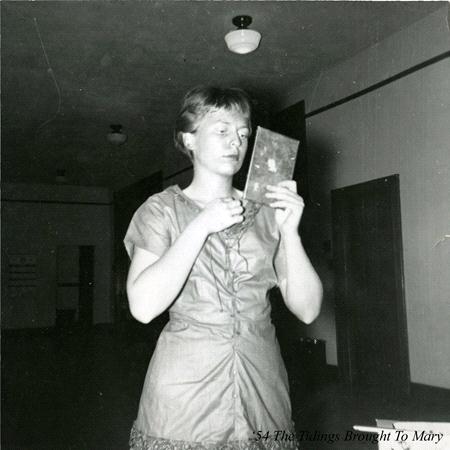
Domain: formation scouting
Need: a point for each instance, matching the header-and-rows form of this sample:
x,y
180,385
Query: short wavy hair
x,y
199,101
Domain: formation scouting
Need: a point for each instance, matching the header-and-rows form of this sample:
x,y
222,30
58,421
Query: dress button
x,y
234,396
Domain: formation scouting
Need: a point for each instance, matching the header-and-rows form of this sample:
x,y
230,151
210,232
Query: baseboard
x,y
427,391
417,390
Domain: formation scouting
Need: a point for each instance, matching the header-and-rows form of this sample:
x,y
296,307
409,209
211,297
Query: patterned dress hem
x,y
142,441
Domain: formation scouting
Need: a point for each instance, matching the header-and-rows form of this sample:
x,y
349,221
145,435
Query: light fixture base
x,y
242,21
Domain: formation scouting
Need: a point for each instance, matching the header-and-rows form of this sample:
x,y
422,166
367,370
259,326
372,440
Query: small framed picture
x,y
273,160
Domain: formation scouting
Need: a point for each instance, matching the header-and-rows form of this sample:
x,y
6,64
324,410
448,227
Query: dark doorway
x,y
86,294
370,309
75,285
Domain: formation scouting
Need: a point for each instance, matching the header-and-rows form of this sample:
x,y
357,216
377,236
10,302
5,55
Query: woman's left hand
x,y
288,204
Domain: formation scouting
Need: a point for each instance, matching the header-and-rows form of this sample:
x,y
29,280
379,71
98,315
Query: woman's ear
x,y
188,140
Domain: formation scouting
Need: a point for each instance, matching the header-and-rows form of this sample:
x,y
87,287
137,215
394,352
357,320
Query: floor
x,y
80,390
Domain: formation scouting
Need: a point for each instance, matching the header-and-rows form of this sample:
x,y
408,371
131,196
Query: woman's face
x,y
220,142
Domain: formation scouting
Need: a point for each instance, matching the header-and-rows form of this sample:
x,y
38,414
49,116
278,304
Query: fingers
x,y
282,204
288,205
231,202
232,206
237,219
222,213
285,197
236,210
283,193
289,184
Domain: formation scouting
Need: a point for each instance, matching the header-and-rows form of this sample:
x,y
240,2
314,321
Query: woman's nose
x,y
236,140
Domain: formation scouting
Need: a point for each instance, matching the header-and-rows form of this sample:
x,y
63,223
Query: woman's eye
x,y
244,136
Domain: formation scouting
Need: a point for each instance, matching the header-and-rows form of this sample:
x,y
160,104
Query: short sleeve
x,y
148,229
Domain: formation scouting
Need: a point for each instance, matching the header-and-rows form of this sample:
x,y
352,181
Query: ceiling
x,y
70,69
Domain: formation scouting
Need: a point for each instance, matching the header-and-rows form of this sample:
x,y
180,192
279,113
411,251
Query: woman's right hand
x,y
221,214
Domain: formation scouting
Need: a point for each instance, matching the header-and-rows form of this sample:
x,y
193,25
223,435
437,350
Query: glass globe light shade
x,y
242,41
116,136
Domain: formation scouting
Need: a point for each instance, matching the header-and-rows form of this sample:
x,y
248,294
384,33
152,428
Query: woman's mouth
x,y
233,157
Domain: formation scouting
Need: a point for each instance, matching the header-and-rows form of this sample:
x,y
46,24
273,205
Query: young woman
x,y
216,379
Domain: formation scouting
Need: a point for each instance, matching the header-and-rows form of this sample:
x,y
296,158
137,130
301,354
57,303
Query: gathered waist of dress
x,y
227,322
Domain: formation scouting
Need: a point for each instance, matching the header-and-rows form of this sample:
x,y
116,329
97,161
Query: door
x,y
75,285
86,294
368,263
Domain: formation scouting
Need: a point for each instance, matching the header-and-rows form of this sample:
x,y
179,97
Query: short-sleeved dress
x,y
216,379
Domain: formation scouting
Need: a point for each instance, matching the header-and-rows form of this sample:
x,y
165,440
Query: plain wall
x,y
404,128
36,219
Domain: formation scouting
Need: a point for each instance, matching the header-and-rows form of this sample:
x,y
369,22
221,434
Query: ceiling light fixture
x,y
242,40
115,136
60,177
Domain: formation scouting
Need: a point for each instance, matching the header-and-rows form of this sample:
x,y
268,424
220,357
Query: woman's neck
x,y
208,189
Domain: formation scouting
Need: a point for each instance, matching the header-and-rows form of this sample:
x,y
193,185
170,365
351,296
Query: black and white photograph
x,y
225,225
